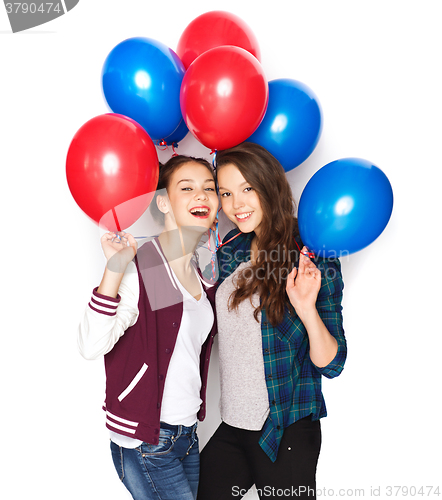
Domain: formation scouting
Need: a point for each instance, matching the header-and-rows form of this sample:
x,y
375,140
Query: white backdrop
x,y
375,67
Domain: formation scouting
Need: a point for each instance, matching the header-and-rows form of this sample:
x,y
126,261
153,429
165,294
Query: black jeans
x,y
232,461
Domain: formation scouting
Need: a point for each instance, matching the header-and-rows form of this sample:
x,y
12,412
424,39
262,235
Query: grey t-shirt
x,y
244,398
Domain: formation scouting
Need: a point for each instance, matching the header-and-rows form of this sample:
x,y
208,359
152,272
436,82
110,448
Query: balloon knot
x,y
214,158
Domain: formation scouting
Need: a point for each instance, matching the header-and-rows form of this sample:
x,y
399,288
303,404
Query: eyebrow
x,y
242,184
192,180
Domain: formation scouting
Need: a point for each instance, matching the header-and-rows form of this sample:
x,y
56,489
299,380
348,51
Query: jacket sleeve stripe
x,y
100,310
111,301
103,303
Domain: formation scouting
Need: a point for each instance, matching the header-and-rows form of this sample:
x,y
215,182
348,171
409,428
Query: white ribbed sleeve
x,y
106,319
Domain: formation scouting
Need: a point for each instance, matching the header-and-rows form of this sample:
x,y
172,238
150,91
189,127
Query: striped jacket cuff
x,y
103,304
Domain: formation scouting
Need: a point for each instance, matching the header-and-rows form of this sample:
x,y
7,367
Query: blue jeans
x,y
166,471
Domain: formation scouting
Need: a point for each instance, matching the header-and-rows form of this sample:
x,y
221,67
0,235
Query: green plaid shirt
x,y
293,381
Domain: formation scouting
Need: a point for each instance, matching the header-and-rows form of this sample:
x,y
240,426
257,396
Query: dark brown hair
x,y
166,172
279,226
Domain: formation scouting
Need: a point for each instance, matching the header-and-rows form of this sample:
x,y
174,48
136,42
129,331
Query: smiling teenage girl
x,y
154,323
280,329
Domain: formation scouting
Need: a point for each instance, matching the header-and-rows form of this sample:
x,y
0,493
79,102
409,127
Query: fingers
x,y
311,271
306,266
292,275
304,261
291,279
132,242
121,238
108,236
130,238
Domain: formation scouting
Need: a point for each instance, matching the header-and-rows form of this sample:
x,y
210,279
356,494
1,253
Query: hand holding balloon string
x,y
119,249
303,285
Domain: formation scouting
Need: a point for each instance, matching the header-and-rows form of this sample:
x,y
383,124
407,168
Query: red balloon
x,y
112,170
224,96
214,29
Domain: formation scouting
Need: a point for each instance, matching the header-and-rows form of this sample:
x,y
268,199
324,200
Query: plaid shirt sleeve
x,y
329,308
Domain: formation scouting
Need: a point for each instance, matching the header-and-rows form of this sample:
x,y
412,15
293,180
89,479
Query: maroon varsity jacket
x,y
136,367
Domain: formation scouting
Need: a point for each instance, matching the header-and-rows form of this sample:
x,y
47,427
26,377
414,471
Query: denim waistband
x,y
179,429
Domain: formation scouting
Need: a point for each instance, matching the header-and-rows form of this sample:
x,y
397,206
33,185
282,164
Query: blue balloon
x,y
344,207
292,125
141,79
178,135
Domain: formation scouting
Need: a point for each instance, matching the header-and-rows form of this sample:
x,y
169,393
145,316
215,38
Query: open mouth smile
x,y
200,212
244,216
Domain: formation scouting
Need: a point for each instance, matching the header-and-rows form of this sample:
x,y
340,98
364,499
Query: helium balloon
x,y
112,170
344,207
141,79
224,96
214,29
178,135
292,125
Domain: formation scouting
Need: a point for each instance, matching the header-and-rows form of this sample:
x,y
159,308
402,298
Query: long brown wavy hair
x,y
277,249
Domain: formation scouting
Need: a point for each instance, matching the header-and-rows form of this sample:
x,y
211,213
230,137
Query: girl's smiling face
x,y
239,200
192,197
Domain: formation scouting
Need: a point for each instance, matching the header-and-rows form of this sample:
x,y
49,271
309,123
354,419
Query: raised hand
x,y
303,285
119,249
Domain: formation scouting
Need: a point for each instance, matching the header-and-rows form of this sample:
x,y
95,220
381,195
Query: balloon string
x,y
228,241
164,143
116,219
309,254
217,245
